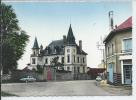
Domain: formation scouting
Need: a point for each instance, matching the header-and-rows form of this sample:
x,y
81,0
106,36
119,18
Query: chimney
x,y
111,26
64,39
80,44
41,47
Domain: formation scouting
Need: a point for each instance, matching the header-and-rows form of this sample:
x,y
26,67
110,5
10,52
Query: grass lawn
x,y
4,94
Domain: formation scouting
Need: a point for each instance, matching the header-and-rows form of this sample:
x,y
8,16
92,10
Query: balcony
x,y
128,51
125,54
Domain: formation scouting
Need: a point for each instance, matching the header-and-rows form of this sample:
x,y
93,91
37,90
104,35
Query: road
x,y
62,88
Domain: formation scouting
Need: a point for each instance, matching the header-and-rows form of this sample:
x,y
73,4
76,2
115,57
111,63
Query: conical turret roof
x,y
35,46
70,37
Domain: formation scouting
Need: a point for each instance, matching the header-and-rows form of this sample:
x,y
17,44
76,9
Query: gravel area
x,y
63,88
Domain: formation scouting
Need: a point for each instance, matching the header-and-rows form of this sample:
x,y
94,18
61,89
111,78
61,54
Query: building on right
x,y
118,54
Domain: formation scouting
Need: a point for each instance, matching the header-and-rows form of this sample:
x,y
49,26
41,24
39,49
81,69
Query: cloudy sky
x,y
50,21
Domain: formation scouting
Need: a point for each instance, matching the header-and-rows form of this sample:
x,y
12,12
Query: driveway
x,y
62,88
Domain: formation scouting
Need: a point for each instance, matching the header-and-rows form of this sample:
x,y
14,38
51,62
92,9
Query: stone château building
x,y
67,50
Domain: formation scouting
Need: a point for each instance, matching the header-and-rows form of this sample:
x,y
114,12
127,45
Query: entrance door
x,y
127,74
111,73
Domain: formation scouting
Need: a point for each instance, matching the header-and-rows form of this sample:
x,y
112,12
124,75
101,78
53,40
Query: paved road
x,y
64,88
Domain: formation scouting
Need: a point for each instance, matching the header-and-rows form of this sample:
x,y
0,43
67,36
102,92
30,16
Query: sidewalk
x,y
117,90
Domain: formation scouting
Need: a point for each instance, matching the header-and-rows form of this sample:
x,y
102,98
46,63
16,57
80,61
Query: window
x,y
68,50
83,69
55,50
33,60
74,58
78,69
77,59
108,50
112,48
68,58
68,69
46,61
34,52
127,45
62,59
80,60
83,60
74,50
74,69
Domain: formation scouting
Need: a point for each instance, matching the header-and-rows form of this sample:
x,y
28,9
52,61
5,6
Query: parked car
x,y
28,79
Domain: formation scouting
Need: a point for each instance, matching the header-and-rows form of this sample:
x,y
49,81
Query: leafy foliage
x,y
57,64
39,69
13,41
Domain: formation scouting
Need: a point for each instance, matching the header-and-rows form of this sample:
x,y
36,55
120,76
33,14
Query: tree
x,y
56,64
13,38
39,69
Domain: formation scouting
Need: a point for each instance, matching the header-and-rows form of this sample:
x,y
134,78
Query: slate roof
x,y
70,37
126,25
35,46
57,48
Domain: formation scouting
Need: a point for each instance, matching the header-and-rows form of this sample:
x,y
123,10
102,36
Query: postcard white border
x,y
88,97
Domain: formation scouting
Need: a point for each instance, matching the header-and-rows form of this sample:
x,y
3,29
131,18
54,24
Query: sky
x,y
49,21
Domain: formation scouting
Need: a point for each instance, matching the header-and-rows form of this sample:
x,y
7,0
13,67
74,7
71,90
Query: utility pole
x,y
1,36
1,44
100,45
1,66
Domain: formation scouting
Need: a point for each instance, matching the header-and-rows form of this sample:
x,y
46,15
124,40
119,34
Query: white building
x,y
67,50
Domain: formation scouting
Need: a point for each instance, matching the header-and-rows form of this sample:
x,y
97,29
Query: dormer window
x,y
55,50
